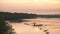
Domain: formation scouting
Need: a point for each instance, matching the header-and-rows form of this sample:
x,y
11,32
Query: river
x,y
53,26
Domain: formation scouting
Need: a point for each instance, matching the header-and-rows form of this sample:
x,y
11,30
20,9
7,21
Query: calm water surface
x,y
53,26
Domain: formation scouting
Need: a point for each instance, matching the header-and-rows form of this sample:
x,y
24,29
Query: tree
x,y
5,28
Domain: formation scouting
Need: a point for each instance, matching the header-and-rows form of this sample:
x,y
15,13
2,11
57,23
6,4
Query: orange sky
x,y
31,6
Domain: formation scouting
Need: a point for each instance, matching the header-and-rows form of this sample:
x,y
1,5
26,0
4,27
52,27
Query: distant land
x,y
49,16
27,16
16,17
19,16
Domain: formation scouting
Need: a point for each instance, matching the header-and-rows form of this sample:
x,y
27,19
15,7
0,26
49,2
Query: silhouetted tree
x,y
5,28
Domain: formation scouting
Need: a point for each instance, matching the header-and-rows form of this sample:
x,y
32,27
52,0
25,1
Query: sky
x,y
31,6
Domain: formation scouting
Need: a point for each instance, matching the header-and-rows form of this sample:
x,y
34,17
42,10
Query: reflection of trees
x,y
5,28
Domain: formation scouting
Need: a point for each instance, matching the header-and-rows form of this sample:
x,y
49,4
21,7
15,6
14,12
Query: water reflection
x,y
53,25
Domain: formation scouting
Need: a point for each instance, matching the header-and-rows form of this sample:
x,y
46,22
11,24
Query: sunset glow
x,y
30,16
31,6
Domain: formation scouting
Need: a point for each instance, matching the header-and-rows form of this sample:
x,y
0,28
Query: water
x,y
53,26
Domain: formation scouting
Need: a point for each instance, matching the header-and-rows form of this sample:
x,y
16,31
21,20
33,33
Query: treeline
x,y
19,16
49,16
16,16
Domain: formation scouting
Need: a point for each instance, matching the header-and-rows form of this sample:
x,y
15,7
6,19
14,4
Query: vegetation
x,y
16,16
5,28
49,16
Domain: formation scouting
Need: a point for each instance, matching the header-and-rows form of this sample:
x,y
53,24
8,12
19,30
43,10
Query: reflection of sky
x,y
31,6
26,29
